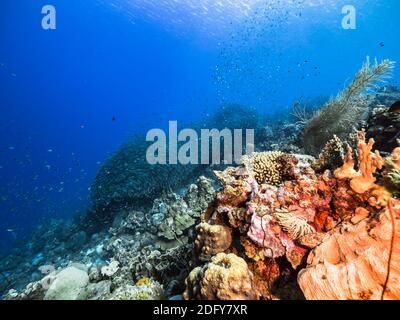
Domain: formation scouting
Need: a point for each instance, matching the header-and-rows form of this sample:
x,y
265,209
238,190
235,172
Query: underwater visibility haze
x,y
83,82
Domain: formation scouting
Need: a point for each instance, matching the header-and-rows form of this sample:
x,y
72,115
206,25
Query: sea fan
x,y
295,226
342,115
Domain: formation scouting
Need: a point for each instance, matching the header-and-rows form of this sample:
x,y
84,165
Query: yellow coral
x,y
252,251
143,282
380,197
270,167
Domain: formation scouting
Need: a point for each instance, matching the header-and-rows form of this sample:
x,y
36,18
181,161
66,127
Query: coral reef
x,y
382,125
135,246
151,290
314,225
127,178
266,216
175,217
331,155
356,261
212,239
270,167
283,225
225,277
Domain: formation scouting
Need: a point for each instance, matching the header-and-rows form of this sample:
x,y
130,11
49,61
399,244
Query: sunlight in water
x,y
216,18
213,18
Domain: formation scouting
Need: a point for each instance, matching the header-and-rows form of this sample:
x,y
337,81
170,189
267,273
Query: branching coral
x,y
369,163
364,179
347,171
272,167
341,115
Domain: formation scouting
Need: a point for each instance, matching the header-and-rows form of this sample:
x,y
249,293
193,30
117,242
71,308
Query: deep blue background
x,y
61,89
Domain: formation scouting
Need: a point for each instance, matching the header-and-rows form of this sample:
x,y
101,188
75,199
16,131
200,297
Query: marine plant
x,y
343,114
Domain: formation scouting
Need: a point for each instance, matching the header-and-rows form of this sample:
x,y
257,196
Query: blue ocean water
x,y
70,97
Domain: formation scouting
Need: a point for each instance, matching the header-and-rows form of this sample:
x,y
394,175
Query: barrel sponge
x,y
226,277
212,239
272,167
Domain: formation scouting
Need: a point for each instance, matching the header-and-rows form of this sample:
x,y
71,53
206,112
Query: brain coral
x,y
272,167
226,277
212,239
